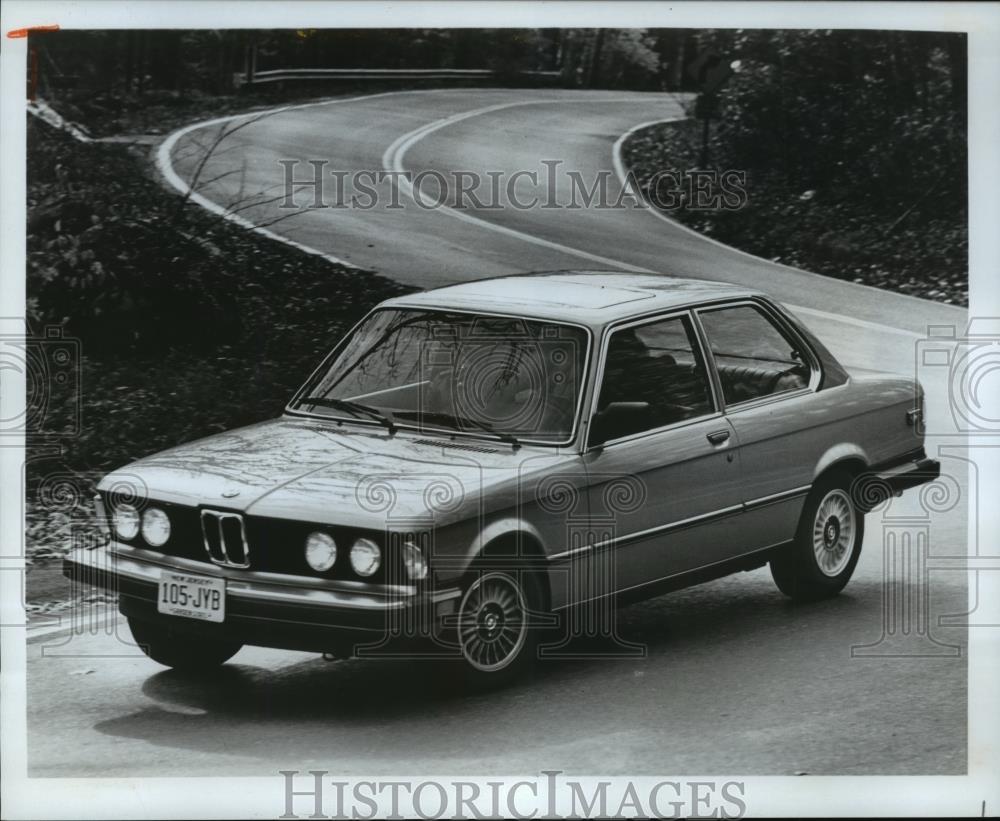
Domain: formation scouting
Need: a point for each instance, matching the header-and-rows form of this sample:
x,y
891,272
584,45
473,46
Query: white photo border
x,y
977,793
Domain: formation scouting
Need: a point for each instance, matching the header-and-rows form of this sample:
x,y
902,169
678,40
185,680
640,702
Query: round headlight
x,y
155,527
414,561
126,521
321,551
365,557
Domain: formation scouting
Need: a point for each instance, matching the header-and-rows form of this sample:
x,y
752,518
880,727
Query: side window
x,y
653,376
753,356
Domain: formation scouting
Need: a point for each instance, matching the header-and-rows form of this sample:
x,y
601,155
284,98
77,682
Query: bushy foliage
x,y
117,275
854,146
102,72
187,324
880,113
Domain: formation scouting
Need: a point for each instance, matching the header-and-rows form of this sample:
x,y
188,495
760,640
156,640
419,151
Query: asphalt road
x,y
735,679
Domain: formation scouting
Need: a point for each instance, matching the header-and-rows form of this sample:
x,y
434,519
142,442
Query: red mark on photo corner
x,y
18,34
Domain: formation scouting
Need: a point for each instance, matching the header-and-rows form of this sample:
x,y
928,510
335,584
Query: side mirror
x,y
618,419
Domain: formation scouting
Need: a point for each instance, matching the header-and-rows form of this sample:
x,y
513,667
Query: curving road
x,y
735,679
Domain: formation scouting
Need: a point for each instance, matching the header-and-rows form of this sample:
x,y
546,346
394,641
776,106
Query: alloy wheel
x,y
834,529
493,622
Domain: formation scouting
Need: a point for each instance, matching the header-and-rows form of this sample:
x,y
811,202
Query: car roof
x,y
590,297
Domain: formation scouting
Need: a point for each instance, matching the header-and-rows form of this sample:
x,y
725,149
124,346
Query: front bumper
x,y
916,469
265,609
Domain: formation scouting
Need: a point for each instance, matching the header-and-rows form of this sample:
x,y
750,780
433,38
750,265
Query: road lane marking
x,y
165,166
392,161
164,163
620,172
859,323
619,166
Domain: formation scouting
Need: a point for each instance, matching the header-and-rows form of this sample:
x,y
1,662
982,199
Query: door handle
x,y
718,437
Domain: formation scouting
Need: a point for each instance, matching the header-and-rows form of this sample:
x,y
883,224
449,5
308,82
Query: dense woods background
x,y
854,145
206,61
855,150
853,142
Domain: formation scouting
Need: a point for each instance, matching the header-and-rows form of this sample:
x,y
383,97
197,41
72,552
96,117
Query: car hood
x,y
350,475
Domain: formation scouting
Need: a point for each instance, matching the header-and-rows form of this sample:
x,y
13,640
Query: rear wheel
x,y
821,559
495,635
178,650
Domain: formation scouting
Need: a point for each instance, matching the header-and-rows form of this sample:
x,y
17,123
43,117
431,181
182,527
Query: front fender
x,y
460,544
510,526
457,564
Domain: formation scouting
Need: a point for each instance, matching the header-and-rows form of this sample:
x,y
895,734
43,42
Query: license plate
x,y
193,597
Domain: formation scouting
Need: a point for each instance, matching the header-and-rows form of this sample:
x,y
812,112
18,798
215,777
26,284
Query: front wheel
x,y
821,559
180,651
495,634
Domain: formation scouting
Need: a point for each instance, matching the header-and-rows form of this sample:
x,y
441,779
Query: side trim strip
x,y
558,557
682,524
675,575
777,497
641,534
667,528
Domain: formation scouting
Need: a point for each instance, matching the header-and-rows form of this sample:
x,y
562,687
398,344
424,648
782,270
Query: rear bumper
x,y
265,609
915,470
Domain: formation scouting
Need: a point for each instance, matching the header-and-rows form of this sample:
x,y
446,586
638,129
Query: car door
x,y
663,474
767,377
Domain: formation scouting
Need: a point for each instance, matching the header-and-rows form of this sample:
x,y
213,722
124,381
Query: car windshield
x,y
505,376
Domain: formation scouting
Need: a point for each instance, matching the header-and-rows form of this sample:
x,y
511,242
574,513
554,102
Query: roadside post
x,y
710,72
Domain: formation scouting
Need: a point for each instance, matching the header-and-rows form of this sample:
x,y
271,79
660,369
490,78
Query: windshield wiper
x,y
356,408
503,436
455,421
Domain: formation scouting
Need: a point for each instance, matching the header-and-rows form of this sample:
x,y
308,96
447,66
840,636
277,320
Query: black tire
x,y
495,634
178,650
821,559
